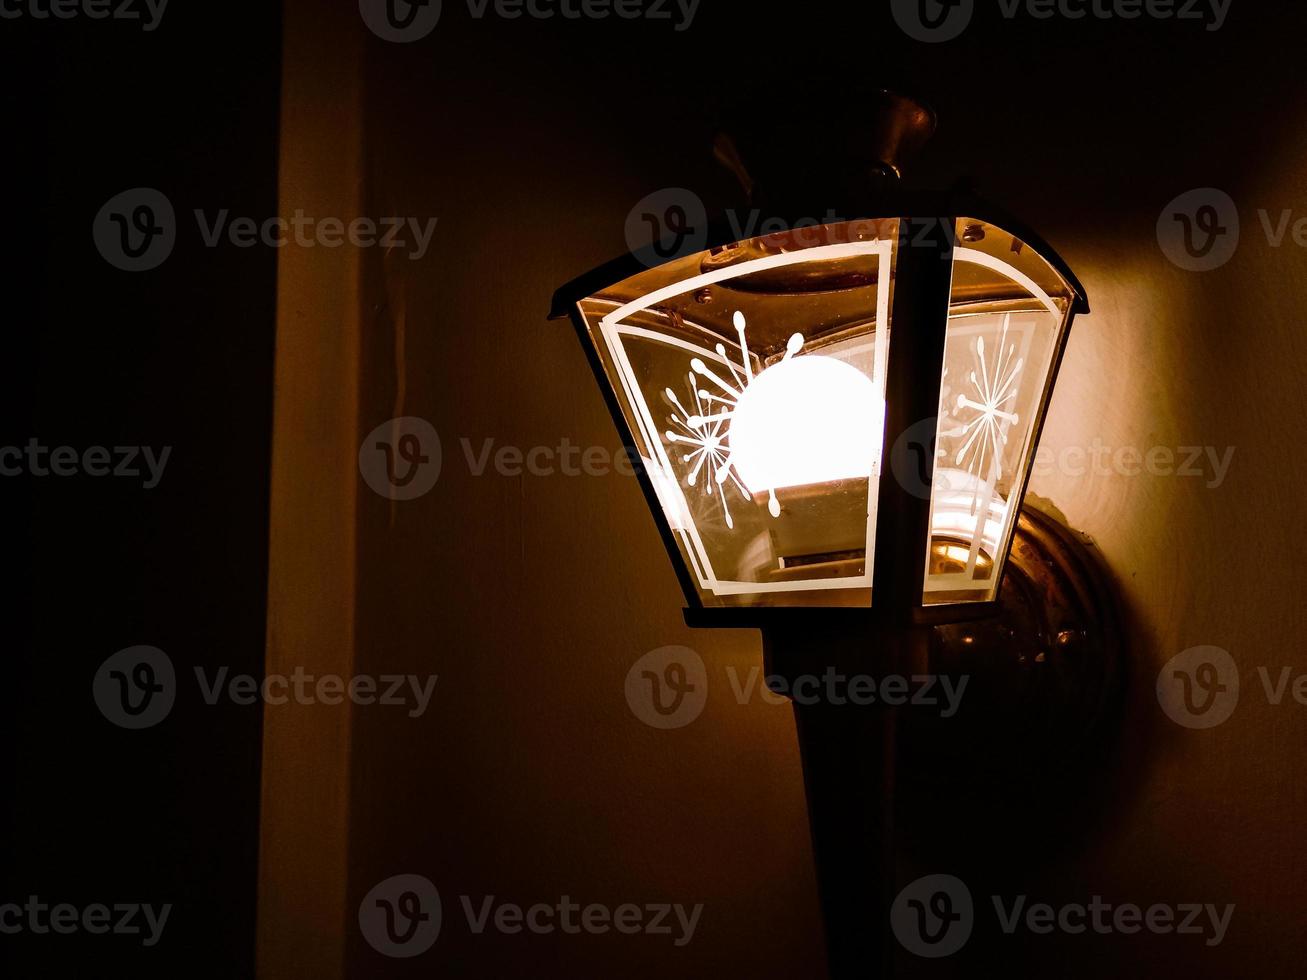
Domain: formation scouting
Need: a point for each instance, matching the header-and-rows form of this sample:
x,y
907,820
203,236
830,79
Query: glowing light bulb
x,y
806,420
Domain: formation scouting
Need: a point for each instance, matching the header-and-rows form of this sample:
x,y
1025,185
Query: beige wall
x,y
312,566
530,597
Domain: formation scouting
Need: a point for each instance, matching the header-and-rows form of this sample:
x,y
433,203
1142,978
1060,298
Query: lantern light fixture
x,y
836,425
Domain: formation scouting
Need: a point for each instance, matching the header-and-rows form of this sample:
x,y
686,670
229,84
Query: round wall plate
x,y
1043,678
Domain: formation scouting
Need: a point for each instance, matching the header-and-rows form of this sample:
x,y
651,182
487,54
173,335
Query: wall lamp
x,y
837,424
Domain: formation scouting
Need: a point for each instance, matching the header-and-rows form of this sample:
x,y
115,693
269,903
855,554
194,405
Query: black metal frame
x,y
919,316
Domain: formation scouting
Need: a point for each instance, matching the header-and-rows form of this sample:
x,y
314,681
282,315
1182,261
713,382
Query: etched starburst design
x,y
705,427
705,432
994,385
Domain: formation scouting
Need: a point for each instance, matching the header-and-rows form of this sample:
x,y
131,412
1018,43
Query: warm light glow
x,y
956,552
808,419
681,379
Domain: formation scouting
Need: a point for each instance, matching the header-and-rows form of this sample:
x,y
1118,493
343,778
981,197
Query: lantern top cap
x,y
894,203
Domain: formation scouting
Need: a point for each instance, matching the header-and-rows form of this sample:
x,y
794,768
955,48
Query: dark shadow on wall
x,y
176,358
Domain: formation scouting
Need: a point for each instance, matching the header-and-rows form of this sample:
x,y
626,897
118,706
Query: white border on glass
x,y
613,330
966,581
